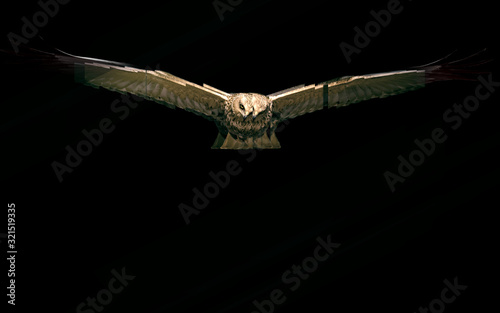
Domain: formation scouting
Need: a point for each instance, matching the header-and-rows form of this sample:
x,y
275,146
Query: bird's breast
x,y
249,127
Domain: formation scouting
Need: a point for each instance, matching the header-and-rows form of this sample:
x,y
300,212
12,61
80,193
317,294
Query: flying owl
x,y
249,120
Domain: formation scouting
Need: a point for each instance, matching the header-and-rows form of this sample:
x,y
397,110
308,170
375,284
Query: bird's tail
x,y
467,68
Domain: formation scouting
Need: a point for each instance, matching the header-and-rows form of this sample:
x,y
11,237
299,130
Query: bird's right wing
x,y
154,85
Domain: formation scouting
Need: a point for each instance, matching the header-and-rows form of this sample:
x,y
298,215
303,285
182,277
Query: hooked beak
x,y
245,117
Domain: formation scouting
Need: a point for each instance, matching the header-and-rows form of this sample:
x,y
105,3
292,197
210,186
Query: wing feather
x,y
154,85
346,90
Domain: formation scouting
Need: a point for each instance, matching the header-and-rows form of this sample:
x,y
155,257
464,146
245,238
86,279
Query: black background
x,y
119,207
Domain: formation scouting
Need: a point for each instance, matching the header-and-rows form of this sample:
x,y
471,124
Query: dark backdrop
x,y
119,208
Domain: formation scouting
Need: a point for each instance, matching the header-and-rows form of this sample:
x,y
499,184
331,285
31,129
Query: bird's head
x,y
250,105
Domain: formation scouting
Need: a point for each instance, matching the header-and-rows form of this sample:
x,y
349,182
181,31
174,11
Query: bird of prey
x,y
249,120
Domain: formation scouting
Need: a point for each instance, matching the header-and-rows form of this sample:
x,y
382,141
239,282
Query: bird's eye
x,y
242,107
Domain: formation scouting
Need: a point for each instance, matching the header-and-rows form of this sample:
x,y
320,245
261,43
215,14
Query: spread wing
x,y
346,90
154,85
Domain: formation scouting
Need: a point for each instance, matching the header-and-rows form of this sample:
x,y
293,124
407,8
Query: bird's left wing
x,y
346,90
